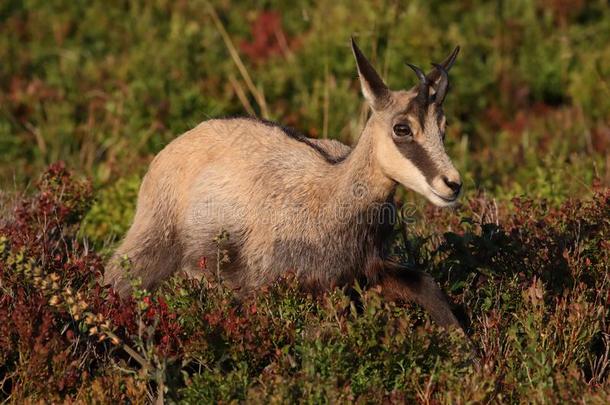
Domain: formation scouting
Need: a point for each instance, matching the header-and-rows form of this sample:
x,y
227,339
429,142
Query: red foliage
x,y
268,38
600,138
563,10
40,239
248,333
44,346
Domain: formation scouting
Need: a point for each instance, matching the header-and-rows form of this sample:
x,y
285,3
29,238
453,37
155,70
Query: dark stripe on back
x,y
298,136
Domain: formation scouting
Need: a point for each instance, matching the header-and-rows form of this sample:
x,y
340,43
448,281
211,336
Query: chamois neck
x,y
360,180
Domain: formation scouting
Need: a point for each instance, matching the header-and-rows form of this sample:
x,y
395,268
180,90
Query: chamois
x,y
291,203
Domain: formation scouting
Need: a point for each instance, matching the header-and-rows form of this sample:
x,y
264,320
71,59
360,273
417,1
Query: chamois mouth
x,y
448,200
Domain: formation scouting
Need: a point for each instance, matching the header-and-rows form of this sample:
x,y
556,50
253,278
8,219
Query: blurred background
x,y
105,85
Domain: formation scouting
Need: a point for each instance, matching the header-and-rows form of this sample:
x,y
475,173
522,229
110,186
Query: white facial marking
x,y
400,169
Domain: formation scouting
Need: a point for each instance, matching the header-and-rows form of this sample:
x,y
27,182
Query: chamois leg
x,y
152,253
400,284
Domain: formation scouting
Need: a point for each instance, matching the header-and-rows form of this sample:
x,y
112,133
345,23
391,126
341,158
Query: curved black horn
x,y
443,83
420,74
447,64
423,91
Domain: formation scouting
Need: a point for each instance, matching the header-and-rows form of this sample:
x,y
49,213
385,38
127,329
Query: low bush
x,y
532,280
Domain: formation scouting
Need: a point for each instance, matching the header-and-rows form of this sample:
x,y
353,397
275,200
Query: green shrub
x,y
112,212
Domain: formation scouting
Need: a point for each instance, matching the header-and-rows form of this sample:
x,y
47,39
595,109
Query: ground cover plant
x,y
103,86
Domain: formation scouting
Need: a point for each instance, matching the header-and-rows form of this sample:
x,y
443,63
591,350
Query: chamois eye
x,y
401,130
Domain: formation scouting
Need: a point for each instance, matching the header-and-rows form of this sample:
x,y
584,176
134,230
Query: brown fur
x,y
289,203
402,285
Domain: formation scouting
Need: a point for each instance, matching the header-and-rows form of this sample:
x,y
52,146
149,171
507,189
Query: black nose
x,y
455,187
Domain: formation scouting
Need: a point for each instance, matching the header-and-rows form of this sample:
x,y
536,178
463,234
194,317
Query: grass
x,y
103,86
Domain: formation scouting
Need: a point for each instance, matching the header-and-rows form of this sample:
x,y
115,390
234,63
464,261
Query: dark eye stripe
x,y
419,111
414,151
420,158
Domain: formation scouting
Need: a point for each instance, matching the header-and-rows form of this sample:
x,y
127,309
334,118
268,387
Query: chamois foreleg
x,y
400,284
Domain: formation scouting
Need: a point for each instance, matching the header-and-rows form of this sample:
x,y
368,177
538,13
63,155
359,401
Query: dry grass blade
x,y
258,95
241,95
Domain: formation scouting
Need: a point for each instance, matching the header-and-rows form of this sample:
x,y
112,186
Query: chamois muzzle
x,y
447,187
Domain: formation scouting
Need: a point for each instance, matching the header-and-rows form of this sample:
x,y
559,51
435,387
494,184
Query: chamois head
x,y
408,128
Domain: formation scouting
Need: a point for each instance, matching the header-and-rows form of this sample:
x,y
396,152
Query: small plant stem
x,y
260,98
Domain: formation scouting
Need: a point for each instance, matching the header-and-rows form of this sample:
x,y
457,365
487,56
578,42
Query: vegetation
x,y
103,86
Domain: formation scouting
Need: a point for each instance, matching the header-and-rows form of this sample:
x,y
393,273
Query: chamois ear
x,y
374,89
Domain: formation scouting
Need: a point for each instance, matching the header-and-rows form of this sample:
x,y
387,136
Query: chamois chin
x,y
292,203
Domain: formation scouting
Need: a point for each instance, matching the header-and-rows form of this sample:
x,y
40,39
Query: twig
x,y
42,145
136,356
241,95
326,104
260,98
146,366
